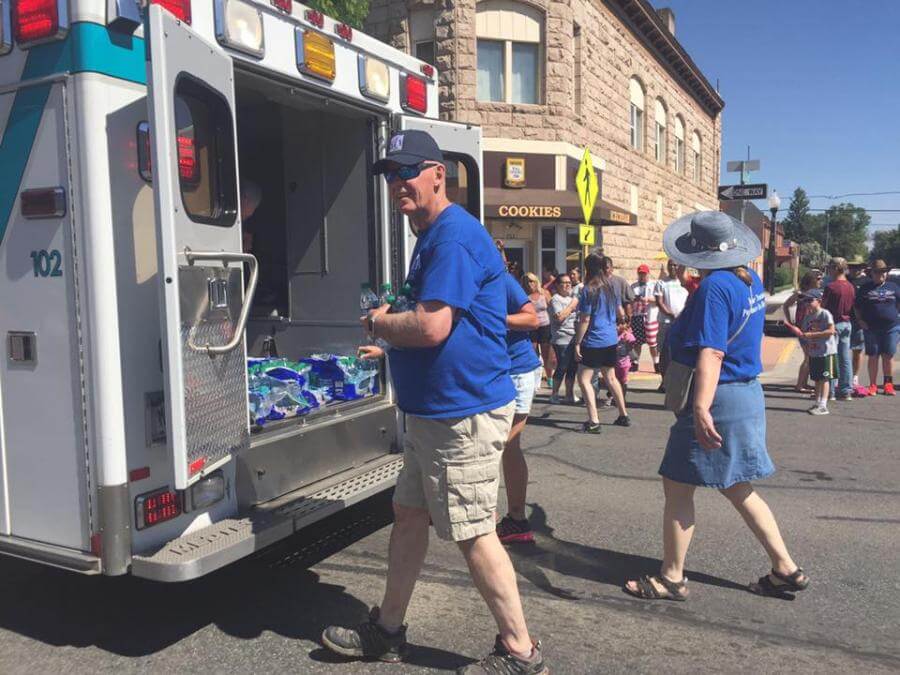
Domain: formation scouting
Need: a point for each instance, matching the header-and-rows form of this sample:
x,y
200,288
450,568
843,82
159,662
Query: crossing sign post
x,y
588,186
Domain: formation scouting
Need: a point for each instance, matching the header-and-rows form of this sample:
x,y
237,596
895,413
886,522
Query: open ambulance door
x,y
461,145
203,307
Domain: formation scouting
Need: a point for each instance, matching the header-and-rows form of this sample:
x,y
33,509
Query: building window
x,y
660,136
491,85
636,95
574,250
421,34
548,247
509,45
698,158
425,51
576,35
679,144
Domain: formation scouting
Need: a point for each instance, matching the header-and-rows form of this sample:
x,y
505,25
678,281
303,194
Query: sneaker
x,y
367,641
623,421
604,403
554,399
591,428
549,383
860,391
818,410
873,390
513,531
888,389
501,662
846,396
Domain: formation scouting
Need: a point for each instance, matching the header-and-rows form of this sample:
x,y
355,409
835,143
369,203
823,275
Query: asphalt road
x,y
596,504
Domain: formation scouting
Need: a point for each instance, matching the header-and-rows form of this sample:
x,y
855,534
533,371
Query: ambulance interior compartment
x,y
316,232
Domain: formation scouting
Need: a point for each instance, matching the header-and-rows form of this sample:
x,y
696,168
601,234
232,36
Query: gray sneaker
x,y
367,641
818,410
501,662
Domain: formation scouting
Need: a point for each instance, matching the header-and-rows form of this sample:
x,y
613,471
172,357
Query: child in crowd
x,y
820,337
623,354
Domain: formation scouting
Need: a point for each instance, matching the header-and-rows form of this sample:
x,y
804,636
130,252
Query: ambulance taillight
x,y
180,9
413,93
36,21
152,508
188,169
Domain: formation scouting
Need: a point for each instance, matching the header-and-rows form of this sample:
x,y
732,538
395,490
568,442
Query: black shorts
x,y
823,368
541,335
598,357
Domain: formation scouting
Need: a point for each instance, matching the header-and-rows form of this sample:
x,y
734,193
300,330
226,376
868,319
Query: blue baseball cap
x,y
407,148
812,294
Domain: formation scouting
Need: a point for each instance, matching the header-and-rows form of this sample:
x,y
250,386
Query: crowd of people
x,y
837,318
467,360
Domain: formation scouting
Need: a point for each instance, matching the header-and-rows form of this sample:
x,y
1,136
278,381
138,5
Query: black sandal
x,y
675,590
790,583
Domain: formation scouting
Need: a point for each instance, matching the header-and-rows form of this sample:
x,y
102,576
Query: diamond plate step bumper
x,y
217,545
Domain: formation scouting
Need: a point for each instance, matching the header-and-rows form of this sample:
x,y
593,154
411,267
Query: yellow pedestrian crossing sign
x,y
587,185
586,235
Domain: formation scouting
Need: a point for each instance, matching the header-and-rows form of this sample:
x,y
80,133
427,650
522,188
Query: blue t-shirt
x,y
879,304
455,262
713,315
601,331
522,356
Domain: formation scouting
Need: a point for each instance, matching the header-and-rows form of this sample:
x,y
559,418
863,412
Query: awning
x,y
537,204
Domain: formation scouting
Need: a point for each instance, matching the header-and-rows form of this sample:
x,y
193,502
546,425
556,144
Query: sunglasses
x,y
407,171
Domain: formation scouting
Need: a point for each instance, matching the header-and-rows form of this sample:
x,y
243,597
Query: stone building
x,y
547,78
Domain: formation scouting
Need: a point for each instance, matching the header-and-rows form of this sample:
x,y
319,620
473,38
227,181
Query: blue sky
x,y
812,86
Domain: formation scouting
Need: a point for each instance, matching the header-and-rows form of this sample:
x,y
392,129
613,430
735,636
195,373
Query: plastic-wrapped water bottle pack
x,y
280,388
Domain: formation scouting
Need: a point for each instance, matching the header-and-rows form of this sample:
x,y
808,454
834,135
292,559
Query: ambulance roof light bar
x,y
180,9
37,21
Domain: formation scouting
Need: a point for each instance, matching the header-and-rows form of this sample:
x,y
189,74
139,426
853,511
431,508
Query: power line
x,y
855,194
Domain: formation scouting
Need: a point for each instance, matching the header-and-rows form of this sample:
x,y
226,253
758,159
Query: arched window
x,y
698,158
636,115
679,144
660,129
509,37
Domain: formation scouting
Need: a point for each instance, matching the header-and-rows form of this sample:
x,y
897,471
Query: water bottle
x,y
386,297
404,301
367,298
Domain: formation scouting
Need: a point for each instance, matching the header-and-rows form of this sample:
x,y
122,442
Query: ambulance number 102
x,y
47,264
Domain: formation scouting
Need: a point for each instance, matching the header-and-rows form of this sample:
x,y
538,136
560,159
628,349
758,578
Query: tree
x,y
887,247
352,12
845,229
812,255
796,223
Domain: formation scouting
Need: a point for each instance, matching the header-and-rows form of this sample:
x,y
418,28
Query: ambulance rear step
x,y
217,545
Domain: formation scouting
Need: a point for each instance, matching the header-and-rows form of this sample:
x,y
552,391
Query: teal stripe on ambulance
x,y
88,48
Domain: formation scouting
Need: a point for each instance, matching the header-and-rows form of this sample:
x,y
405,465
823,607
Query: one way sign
x,y
732,192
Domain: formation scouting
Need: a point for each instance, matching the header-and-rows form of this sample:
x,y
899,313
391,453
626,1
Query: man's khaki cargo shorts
x,y
452,469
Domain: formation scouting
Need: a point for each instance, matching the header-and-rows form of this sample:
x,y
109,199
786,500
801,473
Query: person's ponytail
x,y
743,274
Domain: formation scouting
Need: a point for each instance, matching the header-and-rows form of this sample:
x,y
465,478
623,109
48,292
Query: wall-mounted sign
x,y
515,172
619,217
517,211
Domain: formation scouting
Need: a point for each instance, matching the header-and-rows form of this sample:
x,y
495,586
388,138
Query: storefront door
x,y
517,256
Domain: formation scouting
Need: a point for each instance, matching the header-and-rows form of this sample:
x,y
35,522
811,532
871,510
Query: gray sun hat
x,y
710,240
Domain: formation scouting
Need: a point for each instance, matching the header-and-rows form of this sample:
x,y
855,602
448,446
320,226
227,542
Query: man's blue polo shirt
x,y
455,262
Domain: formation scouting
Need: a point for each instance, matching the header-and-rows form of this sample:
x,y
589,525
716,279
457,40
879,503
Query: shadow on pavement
x,y
134,617
571,559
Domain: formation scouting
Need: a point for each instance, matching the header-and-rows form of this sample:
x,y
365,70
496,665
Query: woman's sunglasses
x,y
407,171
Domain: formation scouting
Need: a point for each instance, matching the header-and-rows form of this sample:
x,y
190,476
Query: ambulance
x,y
132,290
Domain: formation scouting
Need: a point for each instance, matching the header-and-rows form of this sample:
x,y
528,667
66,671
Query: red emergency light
x,y
344,31
315,17
180,9
414,93
188,169
427,69
283,5
156,507
36,21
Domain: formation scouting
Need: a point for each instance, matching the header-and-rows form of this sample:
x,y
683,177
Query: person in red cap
x,y
644,317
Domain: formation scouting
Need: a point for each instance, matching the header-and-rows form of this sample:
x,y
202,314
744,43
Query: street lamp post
x,y
774,203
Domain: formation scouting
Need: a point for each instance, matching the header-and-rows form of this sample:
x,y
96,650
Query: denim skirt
x,y
739,413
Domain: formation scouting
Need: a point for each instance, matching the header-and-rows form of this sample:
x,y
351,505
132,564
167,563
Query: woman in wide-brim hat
x,y
719,440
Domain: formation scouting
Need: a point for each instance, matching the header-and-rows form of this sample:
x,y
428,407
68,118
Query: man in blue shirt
x,y
450,371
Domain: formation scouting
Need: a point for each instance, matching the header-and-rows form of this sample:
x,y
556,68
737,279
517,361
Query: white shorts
x,y
526,384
